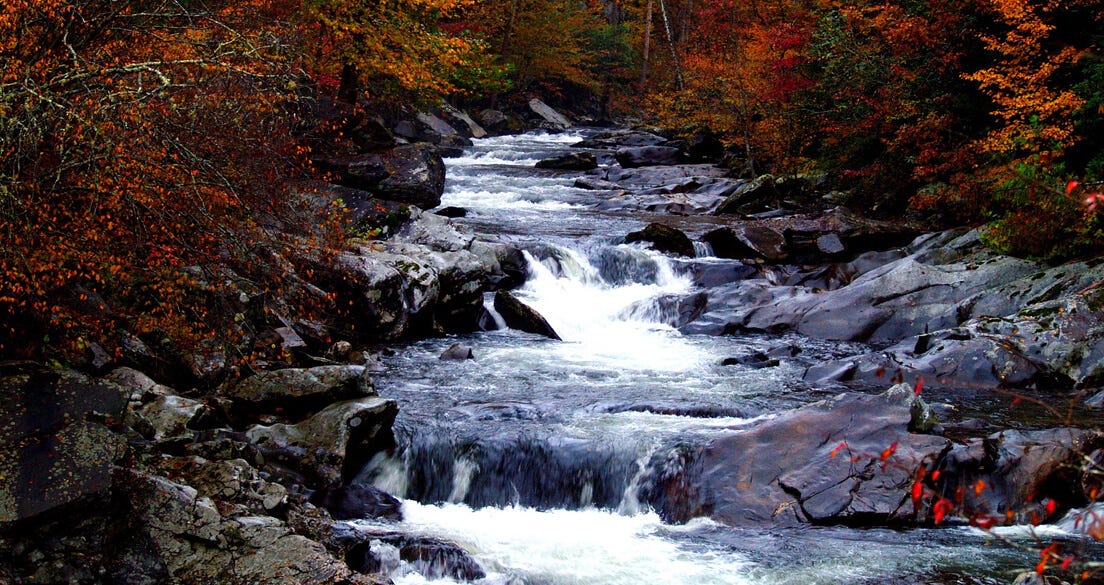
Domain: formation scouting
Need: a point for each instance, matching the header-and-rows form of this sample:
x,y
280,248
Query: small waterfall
x,y
703,250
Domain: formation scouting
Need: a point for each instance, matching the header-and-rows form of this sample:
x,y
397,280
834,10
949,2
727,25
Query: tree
x,y
396,50
146,146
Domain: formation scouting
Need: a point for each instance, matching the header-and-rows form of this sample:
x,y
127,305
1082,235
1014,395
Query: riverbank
x,y
225,483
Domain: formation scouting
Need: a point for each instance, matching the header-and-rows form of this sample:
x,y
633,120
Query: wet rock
x,y
522,317
452,145
748,242
175,531
550,115
755,361
301,390
830,244
663,238
781,471
165,418
228,482
55,442
648,156
713,272
433,558
358,501
1019,471
494,121
463,121
332,445
760,194
506,265
436,125
457,352
572,161
413,174
592,184
451,212
613,139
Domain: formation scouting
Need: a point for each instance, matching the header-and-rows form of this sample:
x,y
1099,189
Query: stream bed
x,y
533,455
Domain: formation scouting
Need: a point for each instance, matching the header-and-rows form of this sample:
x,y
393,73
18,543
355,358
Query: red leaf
x,y
917,493
1071,186
1051,505
919,386
889,451
838,448
941,509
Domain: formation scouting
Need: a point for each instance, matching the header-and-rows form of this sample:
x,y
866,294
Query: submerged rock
x,y
457,352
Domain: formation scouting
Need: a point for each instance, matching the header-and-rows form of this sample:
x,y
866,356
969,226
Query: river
x,y
533,455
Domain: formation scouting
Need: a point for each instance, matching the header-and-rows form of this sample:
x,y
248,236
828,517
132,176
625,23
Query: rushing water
x,y
532,455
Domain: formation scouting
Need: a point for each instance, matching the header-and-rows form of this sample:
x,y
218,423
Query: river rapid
x,y
533,455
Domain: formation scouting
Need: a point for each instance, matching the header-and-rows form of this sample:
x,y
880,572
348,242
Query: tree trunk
x,y
679,83
647,44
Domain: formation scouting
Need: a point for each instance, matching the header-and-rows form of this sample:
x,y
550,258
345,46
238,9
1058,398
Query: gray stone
x,y
648,156
165,418
572,161
457,352
663,238
830,244
54,447
299,389
332,445
522,317
782,471
613,139
194,543
436,124
549,114
474,130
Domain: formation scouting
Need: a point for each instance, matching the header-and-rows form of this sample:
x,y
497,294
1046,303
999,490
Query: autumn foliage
x,y
959,111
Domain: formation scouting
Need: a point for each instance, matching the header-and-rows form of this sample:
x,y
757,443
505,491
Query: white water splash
x,y
562,547
614,326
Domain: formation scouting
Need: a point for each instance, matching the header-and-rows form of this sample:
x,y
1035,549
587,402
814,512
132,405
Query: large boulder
x,y
1051,346
494,121
790,469
522,317
301,389
572,161
54,438
663,238
178,536
413,174
358,502
748,242
331,446
550,115
929,289
613,139
648,156
464,122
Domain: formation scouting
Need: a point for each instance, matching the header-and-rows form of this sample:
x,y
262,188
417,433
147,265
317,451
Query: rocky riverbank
x,y
158,468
